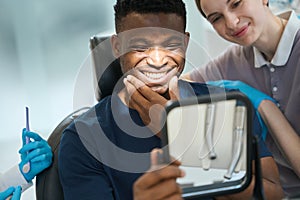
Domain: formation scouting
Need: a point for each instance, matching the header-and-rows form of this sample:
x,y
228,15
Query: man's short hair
x,y
125,7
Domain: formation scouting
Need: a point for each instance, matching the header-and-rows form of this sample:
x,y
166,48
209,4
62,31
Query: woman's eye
x,y
236,4
214,19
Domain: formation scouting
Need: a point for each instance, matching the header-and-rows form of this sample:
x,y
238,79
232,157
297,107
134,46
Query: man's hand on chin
x,y
149,104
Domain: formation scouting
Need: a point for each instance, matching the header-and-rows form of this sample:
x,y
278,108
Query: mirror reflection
x,y
210,141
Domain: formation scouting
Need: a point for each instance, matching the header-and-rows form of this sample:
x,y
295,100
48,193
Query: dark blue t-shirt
x,y
105,150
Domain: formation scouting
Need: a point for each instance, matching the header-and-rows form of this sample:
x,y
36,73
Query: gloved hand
x,y
15,192
37,152
255,96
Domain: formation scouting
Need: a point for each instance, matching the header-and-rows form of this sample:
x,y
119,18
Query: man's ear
x,y
115,45
186,39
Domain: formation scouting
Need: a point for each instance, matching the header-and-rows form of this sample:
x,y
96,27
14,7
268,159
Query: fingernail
x,y
129,77
160,159
125,81
182,173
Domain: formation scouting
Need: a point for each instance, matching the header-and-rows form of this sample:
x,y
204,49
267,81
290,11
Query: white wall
x,y
43,45
205,43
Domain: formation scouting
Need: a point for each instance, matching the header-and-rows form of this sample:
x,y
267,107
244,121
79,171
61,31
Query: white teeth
x,y
154,75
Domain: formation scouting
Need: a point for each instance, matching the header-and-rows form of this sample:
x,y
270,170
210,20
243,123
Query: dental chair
x,y
48,186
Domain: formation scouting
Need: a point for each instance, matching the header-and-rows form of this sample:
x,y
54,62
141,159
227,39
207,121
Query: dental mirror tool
x,y
26,167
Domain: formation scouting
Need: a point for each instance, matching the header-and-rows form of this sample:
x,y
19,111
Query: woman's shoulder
x,y
234,53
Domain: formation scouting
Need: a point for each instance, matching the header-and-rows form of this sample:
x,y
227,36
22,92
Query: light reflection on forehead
x,y
151,35
143,38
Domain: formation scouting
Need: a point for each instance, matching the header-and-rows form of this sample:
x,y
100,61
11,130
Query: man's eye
x,y
174,46
139,48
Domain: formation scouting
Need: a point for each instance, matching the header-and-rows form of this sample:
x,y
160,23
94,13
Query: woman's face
x,y
238,21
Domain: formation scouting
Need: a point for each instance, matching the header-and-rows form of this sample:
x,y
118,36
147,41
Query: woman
x,y
267,59
38,153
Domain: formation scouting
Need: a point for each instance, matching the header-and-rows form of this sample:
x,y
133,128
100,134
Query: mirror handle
x,y
258,191
240,113
209,126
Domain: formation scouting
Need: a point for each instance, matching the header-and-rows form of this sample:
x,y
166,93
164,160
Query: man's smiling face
x,y
152,48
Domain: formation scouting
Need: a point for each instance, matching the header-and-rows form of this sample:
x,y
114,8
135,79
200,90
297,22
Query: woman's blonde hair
x,y
201,11
199,8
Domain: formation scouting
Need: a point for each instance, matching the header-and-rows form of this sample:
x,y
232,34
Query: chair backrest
x,y
107,69
48,186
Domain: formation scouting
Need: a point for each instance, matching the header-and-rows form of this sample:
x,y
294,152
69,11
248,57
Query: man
x,y
108,148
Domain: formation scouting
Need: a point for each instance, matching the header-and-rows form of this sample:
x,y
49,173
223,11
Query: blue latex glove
x,y
15,192
37,152
255,96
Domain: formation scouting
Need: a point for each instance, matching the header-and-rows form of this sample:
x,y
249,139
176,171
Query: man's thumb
x,y
173,89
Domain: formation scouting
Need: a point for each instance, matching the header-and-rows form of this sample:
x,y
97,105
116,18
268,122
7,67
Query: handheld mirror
x,y
212,136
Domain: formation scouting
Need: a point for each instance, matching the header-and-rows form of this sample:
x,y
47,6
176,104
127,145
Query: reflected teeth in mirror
x,y
155,75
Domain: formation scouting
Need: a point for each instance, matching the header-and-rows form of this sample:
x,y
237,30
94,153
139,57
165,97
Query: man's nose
x,y
157,56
